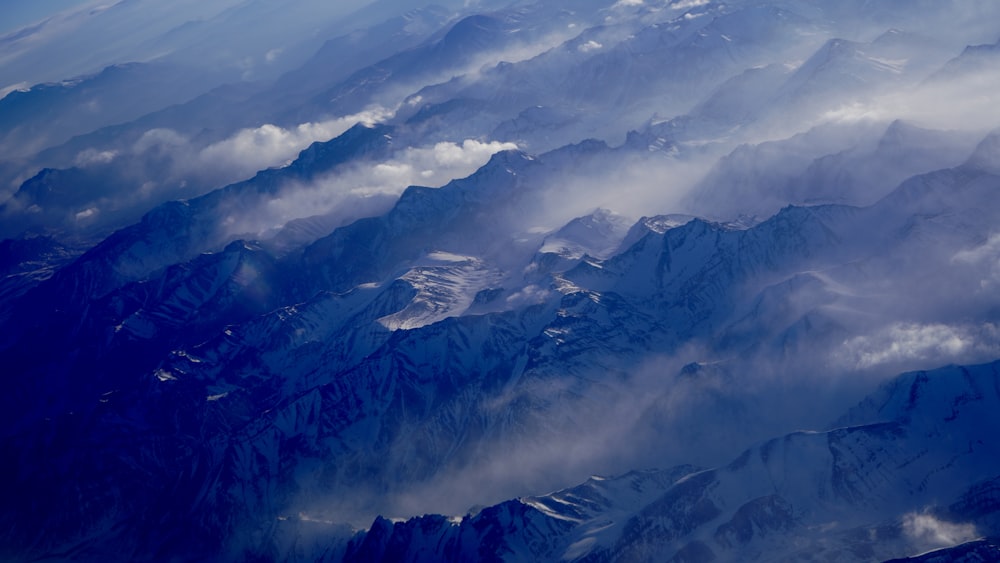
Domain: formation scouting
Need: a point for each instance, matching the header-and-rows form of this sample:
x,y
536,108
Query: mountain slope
x,y
898,481
563,239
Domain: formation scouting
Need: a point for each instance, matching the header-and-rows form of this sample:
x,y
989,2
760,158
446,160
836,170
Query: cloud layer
x,y
364,188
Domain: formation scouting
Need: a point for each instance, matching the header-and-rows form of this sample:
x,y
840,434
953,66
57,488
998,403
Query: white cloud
x,y
471,152
903,343
964,102
985,256
92,156
530,295
688,4
269,145
855,112
929,531
159,138
365,186
87,213
19,87
273,55
589,46
431,166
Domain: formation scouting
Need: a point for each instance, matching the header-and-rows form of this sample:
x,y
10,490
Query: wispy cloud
x,y
985,258
928,531
269,145
688,4
426,166
90,157
912,344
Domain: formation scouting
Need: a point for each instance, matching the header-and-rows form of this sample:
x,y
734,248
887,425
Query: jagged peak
x,y
986,157
575,151
898,130
361,139
932,393
473,26
985,48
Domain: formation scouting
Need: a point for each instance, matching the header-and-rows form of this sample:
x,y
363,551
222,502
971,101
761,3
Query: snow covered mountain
x,y
498,249
870,488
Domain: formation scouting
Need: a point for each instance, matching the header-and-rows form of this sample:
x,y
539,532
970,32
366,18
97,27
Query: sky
x,y
19,13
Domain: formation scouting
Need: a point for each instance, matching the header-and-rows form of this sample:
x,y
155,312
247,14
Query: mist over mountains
x,y
587,280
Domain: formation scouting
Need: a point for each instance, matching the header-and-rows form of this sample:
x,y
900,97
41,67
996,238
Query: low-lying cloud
x,y
368,187
929,532
269,145
958,102
911,344
985,258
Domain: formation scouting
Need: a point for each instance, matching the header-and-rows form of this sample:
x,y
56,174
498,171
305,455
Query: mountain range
x,y
722,275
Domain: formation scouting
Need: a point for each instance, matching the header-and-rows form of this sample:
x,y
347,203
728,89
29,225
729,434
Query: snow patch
x,y
164,375
688,4
446,285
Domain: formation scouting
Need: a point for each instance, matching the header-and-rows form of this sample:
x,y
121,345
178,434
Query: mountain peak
x,y
986,157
